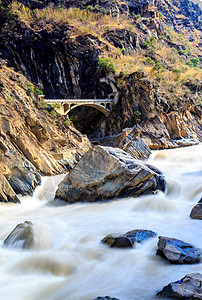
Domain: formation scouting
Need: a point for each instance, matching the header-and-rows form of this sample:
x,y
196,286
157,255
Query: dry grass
x,y
97,23
84,20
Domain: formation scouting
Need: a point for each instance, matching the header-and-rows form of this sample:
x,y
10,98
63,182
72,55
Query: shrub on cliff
x,y
105,66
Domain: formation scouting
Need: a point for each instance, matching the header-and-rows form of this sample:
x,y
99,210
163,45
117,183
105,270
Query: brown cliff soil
x,y
29,134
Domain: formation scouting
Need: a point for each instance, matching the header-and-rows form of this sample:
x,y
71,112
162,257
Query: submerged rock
x,y
104,173
189,287
22,236
196,212
177,251
129,239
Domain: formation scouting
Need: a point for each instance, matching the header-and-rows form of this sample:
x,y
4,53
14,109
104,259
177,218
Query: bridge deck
x,y
78,100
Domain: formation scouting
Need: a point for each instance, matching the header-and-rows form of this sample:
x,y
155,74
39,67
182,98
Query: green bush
x,y
177,71
150,61
194,61
68,122
38,92
105,66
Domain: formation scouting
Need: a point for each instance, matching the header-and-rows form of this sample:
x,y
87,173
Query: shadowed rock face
x,y
177,251
129,239
196,212
7,194
106,173
189,287
22,236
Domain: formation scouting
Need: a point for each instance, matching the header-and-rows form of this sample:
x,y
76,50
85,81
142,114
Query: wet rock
x,y
117,242
129,239
106,173
105,298
177,251
7,194
22,236
189,287
196,212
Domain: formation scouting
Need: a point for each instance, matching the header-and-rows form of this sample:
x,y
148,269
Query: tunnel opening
x,y
86,119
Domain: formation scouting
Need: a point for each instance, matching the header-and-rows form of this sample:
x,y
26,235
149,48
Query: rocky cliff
x,y
30,136
119,49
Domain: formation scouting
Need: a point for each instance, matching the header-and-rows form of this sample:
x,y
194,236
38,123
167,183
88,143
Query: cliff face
x,y
162,117
157,80
29,136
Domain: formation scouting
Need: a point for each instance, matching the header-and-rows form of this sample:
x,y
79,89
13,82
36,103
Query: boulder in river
x,y
22,236
129,239
189,287
106,173
177,251
196,212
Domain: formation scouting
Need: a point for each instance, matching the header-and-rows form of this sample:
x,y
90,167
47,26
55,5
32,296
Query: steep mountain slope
x,y
119,49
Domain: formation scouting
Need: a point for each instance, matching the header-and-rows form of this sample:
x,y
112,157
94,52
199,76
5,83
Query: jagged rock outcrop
x,y
177,251
189,287
7,194
29,137
119,175
163,123
128,239
196,212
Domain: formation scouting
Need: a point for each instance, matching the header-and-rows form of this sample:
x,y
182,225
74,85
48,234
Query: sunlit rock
x,y
189,287
106,173
129,239
177,251
22,236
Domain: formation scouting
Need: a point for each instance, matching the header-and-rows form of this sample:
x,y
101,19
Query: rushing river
x,y
69,262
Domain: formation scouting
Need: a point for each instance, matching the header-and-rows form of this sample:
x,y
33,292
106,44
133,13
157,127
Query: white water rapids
x,y
69,262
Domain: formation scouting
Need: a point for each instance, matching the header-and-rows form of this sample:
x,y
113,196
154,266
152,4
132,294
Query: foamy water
x,y
68,261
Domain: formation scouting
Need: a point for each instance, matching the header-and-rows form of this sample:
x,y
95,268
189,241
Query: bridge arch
x,y
66,105
100,107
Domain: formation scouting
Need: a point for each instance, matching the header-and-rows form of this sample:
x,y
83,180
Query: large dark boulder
x,y
129,239
106,173
177,251
196,212
189,288
22,236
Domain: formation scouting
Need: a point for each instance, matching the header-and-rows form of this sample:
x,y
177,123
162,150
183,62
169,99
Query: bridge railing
x,y
78,100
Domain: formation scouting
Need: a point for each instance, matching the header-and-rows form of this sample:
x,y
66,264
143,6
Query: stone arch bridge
x,y
63,106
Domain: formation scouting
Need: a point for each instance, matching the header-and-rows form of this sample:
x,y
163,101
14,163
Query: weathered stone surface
x,y
128,239
189,287
177,251
196,212
28,137
106,173
106,298
6,191
22,236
